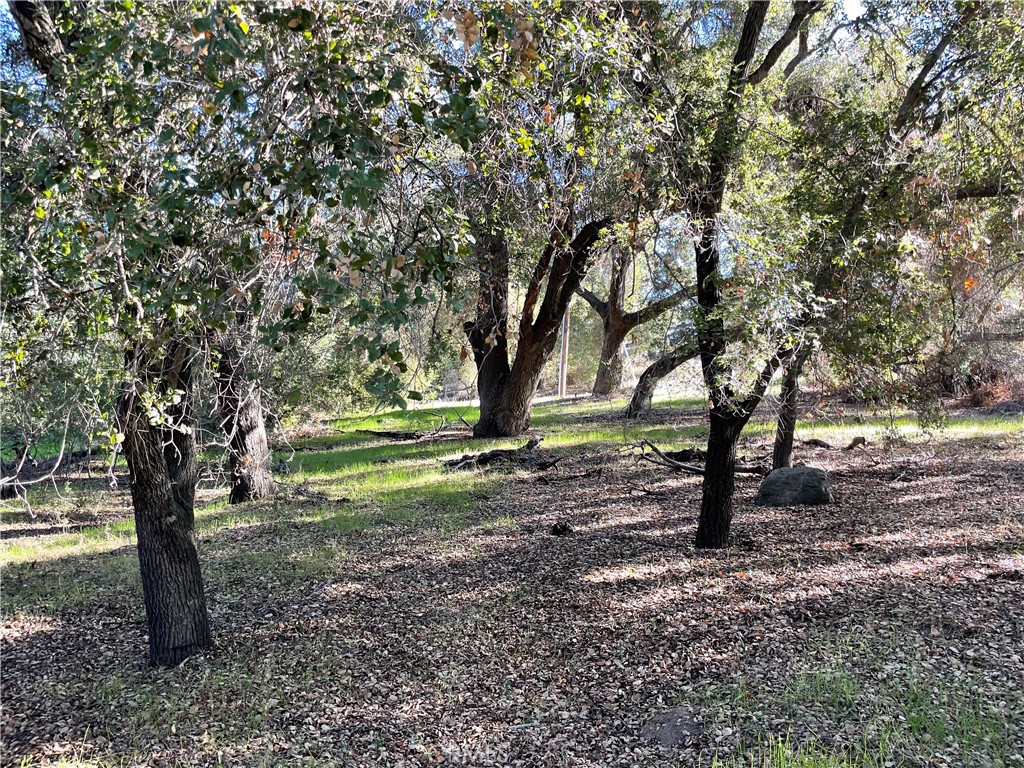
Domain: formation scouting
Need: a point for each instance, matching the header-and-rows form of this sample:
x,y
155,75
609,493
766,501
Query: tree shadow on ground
x,y
500,639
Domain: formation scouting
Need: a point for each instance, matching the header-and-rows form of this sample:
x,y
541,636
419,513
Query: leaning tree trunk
x,y
782,453
242,420
719,482
643,393
609,369
163,465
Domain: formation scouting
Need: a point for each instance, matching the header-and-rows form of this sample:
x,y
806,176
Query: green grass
x,y
775,752
832,689
372,481
938,713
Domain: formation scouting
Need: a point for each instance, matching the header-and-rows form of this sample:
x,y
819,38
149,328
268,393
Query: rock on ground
x,y
674,727
794,486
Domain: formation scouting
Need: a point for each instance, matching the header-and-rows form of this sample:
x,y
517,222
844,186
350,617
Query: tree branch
x,y
601,307
659,307
916,92
802,11
983,189
539,271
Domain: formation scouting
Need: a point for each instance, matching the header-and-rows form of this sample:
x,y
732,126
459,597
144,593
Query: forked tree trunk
x,y
719,482
242,420
507,391
643,394
163,465
508,408
617,323
782,452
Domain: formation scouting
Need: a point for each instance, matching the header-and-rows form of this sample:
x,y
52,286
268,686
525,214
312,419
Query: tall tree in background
x,y
530,185
863,258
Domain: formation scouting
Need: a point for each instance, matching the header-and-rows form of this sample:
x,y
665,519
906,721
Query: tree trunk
x,y
242,420
506,392
488,334
508,409
719,482
727,416
38,32
782,453
643,393
617,323
609,370
164,468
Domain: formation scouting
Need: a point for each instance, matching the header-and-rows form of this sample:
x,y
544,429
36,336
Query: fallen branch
x,y
392,435
549,463
686,455
665,459
471,460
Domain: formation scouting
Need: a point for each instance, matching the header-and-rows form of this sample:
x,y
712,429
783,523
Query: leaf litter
x,y
888,627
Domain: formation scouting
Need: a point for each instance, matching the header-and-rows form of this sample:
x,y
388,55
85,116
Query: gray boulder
x,y
793,487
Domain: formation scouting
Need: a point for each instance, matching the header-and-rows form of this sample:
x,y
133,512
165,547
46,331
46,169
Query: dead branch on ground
x,y
472,460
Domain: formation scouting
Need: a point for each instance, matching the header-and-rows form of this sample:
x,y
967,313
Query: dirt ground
x,y
886,628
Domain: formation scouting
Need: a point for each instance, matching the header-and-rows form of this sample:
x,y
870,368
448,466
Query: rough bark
x,y
488,335
507,391
161,456
242,420
782,452
163,465
38,33
609,369
643,393
719,482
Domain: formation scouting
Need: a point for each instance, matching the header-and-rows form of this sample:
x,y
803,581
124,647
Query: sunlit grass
x,y
775,752
347,481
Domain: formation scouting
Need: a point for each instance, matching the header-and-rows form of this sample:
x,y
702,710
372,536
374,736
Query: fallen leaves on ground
x,y
890,622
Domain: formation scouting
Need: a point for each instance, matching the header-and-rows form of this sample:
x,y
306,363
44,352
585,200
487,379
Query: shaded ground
x,y
392,614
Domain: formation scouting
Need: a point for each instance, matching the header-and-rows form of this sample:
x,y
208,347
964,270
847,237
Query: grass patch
x,y
777,752
939,715
832,689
